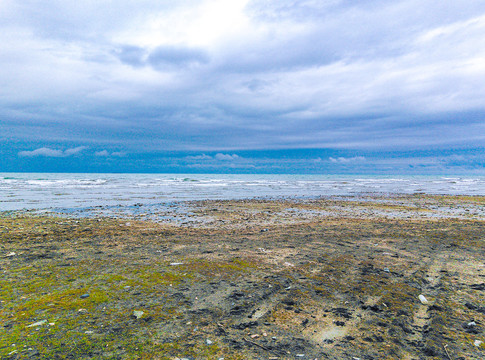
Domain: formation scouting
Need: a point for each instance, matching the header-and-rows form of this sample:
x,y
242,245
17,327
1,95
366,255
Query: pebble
x,y
84,296
11,254
387,270
208,342
477,343
423,300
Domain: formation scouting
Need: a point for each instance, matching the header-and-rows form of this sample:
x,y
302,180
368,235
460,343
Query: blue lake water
x,y
53,191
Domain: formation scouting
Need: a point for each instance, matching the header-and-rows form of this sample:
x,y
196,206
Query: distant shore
x,y
248,279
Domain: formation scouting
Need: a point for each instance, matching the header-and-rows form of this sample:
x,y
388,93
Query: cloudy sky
x,y
317,86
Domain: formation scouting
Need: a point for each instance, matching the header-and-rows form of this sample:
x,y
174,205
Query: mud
x,y
280,279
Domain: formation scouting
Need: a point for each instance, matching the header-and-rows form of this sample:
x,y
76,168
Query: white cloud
x,y
105,153
74,151
344,160
42,152
48,152
199,157
102,153
227,157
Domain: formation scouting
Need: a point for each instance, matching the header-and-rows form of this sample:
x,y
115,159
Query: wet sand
x,y
251,279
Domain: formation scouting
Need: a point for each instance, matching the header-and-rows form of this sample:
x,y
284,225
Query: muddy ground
x,y
260,279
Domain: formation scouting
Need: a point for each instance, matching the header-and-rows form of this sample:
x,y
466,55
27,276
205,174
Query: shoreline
x,y
249,279
390,206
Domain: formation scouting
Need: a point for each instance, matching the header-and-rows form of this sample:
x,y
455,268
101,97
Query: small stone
x,y
472,323
11,254
52,324
423,300
387,270
176,263
477,343
138,314
254,336
89,332
208,342
84,296
82,310
38,323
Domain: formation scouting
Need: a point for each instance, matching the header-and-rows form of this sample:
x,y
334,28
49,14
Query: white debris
x,y
477,343
176,263
38,323
472,323
423,300
11,254
89,332
208,342
138,314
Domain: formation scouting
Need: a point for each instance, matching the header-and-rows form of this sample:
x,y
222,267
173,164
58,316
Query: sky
x,y
309,86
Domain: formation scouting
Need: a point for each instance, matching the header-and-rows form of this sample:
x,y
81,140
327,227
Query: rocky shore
x,y
395,277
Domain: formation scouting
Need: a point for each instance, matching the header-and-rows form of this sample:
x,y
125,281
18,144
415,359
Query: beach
x,y
370,277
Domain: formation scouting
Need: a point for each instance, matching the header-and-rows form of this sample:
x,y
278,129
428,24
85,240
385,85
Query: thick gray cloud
x,y
257,74
176,55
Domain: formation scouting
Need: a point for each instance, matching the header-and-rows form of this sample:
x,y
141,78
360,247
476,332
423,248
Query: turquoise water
x,y
61,191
